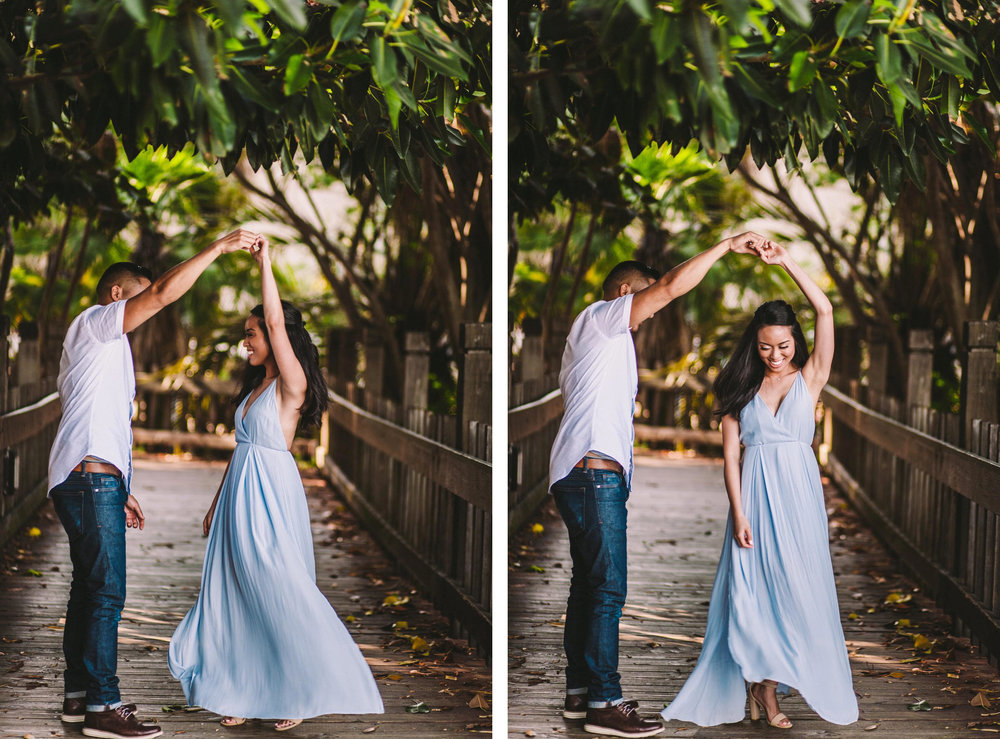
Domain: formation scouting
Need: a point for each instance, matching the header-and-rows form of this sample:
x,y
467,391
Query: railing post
x,y
878,362
919,364
979,376
532,352
374,365
29,362
474,377
341,358
416,368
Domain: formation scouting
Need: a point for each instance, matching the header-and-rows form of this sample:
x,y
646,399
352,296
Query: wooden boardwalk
x,y
164,571
677,515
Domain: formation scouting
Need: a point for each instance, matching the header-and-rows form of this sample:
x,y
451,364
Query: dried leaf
x,y
419,644
981,699
33,573
920,705
871,728
536,568
420,707
529,732
401,625
903,623
393,677
896,675
479,701
537,529
852,616
369,730
896,598
922,642
34,532
350,619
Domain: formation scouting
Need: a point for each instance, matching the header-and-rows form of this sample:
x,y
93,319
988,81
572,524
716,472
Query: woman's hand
x,y
206,525
772,253
133,514
260,250
741,532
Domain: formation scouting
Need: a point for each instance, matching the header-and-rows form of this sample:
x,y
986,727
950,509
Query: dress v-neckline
x,y
781,402
247,407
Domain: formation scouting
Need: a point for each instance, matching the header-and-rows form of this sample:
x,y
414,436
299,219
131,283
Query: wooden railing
x,y
29,409
927,481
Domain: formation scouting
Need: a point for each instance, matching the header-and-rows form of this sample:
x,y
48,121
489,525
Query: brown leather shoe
x,y
119,723
575,706
73,710
620,720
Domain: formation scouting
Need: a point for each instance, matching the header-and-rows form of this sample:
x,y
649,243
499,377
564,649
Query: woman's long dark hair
x,y
739,381
307,354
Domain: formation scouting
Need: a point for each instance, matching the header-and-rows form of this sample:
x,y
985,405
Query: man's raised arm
x,y
177,280
684,277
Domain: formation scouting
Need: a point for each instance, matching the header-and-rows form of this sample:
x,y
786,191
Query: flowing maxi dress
x,y
262,641
773,612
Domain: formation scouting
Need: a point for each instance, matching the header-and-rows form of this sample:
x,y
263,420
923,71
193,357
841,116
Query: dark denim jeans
x,y
592,503
91,507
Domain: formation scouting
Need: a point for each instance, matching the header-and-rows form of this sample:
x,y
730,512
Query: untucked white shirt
x,y
599,381
96,387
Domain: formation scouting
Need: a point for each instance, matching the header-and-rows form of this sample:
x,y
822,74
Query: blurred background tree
x,y
119,123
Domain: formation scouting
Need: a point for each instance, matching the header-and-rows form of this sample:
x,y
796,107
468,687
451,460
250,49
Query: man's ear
x,y
116,293
624,289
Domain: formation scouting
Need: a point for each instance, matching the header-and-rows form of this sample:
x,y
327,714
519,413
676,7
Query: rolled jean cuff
x,y
605,704
76,694
577,691
101,707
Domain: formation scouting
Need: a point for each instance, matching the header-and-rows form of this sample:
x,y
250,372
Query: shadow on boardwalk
x,y
164,572
677,518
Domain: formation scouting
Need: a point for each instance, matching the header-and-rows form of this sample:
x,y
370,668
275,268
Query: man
x,y
590,472
90,470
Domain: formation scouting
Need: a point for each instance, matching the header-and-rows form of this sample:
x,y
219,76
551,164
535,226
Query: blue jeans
x,y
91,507
592,503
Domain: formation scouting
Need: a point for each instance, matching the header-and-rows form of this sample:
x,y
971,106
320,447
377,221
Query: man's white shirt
x,y
96,387
599,381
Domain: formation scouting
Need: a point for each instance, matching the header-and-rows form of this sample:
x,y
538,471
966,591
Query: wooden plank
x,y
532,417
464,475
673,435
976,478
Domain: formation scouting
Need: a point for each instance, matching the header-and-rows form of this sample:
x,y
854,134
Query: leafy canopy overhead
x,y
370,88
871,85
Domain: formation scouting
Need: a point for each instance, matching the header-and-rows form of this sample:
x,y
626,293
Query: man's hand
x,y
206,524
133,514
260,251
241,238
748,242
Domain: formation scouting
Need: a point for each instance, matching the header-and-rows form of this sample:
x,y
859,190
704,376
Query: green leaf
x,y
796,11
291,12
231,12
801,71
952,63
384,62
298,73
898,102
666,36
346,22
640,8
888,60
852,19
161,39
137,9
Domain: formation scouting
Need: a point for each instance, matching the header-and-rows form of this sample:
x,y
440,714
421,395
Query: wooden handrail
x,y
462,474
23,423
974,477
526,419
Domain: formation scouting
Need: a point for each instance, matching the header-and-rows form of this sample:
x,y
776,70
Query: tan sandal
x,y
286,724
233,721
758,710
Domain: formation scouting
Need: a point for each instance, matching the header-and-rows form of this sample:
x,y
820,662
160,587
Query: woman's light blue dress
x,y
773,613
262,641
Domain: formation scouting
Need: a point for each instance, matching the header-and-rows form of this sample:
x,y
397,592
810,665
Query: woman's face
x,y
775,347
254,342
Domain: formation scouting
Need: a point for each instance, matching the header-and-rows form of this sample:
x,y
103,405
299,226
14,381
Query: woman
x,y
773,617
262,641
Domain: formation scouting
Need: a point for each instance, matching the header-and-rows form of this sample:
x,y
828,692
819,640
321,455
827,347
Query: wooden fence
x,y
419,481
926,480
29,410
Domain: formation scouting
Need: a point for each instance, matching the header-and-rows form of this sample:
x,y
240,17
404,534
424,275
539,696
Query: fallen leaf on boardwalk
x,y
922,642
420,707
393,677
394,600
980,699
852,617
34,532
479,701
33,573
896,675
419,644
897,598
908,660
953,676
369,730
537,529
903,623
350,619
871,728
920,705
401,625
536,568
529,732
